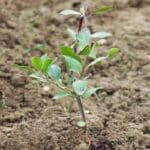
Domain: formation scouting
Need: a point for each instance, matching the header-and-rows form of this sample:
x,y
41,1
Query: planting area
x,y
119,117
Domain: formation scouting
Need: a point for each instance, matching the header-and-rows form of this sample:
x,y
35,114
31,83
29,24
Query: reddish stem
x,y
80,23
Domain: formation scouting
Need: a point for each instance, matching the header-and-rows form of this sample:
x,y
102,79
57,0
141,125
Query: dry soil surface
x,y
119,118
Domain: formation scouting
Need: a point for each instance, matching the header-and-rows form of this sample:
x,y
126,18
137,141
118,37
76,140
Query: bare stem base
x,y
81,108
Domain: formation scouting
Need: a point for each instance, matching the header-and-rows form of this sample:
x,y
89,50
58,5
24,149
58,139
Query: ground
x,y
119,116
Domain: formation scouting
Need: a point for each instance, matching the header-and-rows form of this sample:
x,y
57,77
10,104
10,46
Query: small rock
x,y
82,146
46,88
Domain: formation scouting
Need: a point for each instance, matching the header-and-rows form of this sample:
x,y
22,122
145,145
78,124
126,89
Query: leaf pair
x,y
80,88
83,38
111,54
41,63
46,66
100,35
82,11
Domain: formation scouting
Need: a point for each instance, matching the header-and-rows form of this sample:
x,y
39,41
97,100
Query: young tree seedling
x,y
78,58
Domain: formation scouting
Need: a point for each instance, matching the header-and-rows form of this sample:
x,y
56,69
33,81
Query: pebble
x,y
82,146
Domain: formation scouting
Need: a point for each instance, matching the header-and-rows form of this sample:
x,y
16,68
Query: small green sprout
x,y
78,59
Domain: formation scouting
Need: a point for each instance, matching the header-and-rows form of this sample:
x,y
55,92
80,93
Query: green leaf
x,y
113,52
93,54
67,51
102,9
84,37
69,12
54,71
60,95
101,35
85,51
72,33
79,87
25,68
44,57
81,123
89,92
97,60
72,64
45,63
82,10
36,63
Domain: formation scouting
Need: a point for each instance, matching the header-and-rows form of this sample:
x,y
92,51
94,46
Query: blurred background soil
x,y
31,120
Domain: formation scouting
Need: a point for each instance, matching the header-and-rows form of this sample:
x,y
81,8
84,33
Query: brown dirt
x,y
119,118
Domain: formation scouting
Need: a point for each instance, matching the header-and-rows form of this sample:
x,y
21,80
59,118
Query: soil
x,y
119,118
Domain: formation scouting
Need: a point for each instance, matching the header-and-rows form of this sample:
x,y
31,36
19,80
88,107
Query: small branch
x,y
60,87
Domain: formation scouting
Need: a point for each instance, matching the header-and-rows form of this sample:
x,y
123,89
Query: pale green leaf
x,y
72,64
113,52
44,57
89,92
72,33
97,60
82,10
102,9
84,38
69,12
101,35
93,54
81,123
79,87
37,76
60,95
54,71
